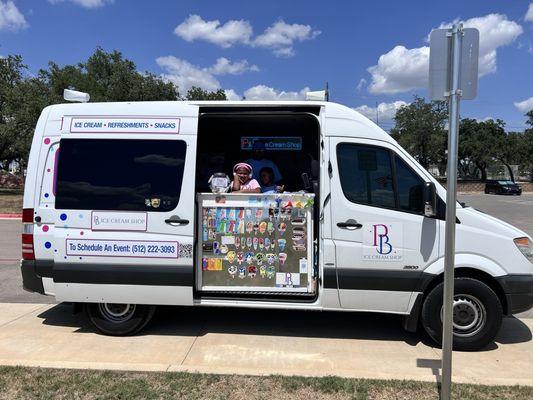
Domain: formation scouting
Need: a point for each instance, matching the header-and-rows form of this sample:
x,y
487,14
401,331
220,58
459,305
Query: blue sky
x,y
369,52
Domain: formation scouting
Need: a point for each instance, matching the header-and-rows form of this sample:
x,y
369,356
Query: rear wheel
x,y
118,319
477,314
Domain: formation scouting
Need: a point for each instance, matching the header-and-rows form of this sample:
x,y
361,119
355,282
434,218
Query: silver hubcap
x,y
469,315
115,312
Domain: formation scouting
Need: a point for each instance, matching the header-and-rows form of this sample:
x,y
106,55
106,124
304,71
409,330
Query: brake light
x,y
28,252
27,216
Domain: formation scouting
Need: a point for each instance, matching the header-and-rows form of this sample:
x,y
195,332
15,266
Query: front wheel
x,y
477,314
116,319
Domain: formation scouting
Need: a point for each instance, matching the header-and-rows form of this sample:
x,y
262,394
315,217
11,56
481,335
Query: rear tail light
x,y
27,234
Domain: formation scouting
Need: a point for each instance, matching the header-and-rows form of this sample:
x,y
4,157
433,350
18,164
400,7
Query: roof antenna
x,y
74,95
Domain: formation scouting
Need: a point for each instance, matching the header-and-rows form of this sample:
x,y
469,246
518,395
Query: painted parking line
x,y
524,202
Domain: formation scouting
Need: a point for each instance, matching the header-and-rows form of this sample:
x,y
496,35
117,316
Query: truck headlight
x,y
525,245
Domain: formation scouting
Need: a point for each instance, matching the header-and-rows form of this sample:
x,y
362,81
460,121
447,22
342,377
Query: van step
x,y
256,295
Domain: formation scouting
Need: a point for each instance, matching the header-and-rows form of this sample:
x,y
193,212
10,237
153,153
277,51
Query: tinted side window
x,y
410,188
118,174
366,175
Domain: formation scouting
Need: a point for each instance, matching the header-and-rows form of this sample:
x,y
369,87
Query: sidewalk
x,y
256,342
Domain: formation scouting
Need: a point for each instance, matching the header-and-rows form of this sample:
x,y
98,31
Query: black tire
x,y
119,319
486,191
472,298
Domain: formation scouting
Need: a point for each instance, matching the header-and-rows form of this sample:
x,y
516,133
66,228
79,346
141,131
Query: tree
x,y
24,105
481,142
108,77
105,76
18,94
508,150
420,129
196,93
525,153
529,116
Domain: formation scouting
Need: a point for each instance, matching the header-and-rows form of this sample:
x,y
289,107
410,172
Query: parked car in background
x,y
502,187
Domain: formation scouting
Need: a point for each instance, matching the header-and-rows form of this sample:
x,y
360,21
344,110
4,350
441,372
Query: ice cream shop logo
x,y
381,239
118,221
383,242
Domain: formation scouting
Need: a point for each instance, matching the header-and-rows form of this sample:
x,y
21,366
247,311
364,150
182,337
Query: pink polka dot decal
x,y
45,228
47,141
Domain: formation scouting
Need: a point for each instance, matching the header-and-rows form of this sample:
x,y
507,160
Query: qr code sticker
x,y
185,251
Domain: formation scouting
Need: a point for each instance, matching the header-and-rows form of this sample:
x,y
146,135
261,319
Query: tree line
x,y
106,76
421,128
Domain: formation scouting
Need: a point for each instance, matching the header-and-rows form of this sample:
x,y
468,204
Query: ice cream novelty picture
x,y
256,242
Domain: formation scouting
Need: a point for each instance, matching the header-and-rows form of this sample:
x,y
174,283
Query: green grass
x,y
11,201
39,383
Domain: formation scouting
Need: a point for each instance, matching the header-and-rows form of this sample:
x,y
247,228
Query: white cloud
x,y
226,35
400,70
485,119
85,3
403,69
232,95
262,92
224,66
186,75
385,111
524,106
11,19
362,83
279,37
529,13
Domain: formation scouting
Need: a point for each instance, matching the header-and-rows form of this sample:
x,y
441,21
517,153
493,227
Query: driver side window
x,y
376,176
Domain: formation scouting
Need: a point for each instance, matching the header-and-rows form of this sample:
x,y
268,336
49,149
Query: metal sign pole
x,y
451,200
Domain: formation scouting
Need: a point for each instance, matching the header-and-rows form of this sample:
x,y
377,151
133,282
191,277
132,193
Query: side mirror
x,y
430,199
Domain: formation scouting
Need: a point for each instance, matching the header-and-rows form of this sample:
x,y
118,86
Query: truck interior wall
x,y
219,144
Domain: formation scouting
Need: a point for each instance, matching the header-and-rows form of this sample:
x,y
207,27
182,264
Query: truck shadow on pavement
x,y
199,321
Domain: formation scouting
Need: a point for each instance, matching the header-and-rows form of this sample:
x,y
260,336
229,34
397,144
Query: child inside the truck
x,y
243,181
266,179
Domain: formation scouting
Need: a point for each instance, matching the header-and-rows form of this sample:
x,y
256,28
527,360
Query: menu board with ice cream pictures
x,y
255,242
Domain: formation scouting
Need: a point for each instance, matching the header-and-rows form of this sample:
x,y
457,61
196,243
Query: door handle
x,y
175,220
350,224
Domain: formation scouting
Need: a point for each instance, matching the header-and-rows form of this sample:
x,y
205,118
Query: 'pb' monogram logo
x,y
381,239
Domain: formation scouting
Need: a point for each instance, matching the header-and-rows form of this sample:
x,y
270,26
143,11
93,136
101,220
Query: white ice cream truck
x,y
119,218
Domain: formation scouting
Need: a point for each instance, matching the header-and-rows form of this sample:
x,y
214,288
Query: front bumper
x,y
518,291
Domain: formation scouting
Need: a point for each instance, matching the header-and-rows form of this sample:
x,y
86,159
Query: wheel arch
x,y
474,273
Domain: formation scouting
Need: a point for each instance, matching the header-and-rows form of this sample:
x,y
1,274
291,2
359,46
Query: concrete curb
x,y
10,216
